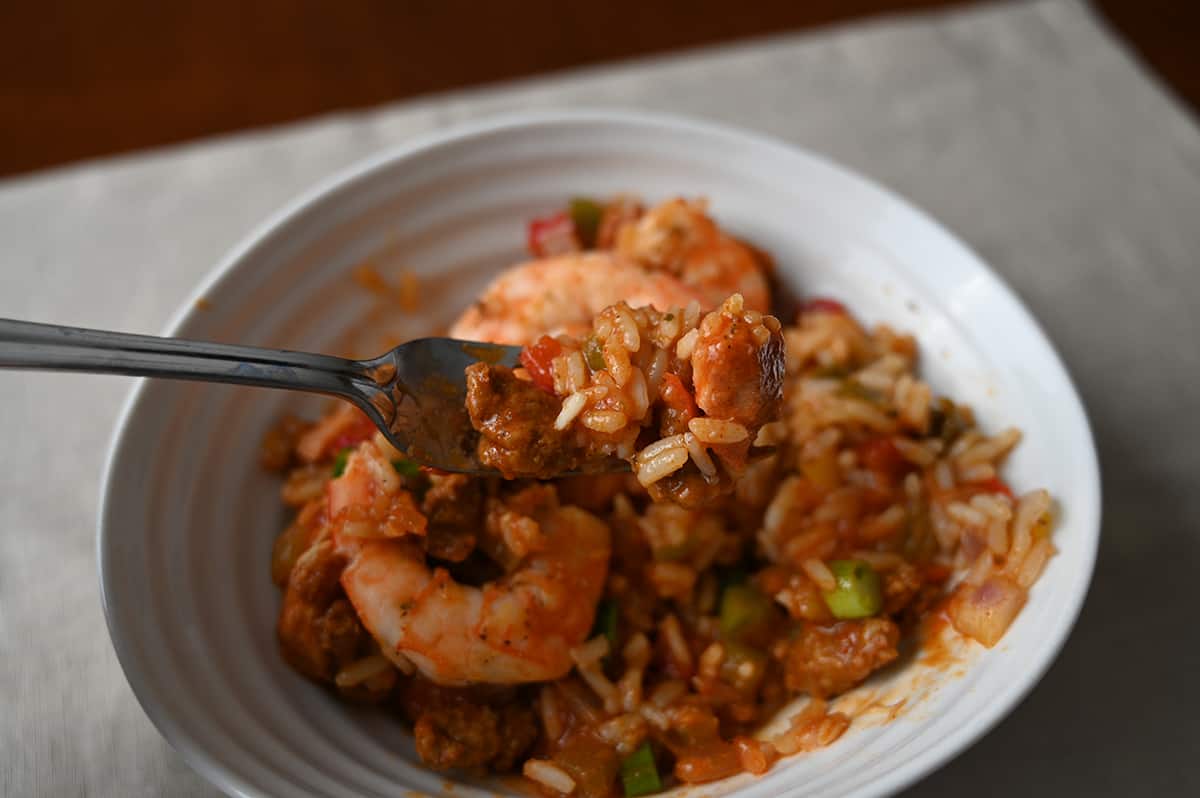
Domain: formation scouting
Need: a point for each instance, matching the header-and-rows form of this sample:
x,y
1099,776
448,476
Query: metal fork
x,y
415,393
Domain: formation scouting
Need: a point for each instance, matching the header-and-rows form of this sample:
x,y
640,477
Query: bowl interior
x,y
188,518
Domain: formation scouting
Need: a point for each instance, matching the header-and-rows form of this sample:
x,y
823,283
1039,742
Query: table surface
x,y
1025,128
71,80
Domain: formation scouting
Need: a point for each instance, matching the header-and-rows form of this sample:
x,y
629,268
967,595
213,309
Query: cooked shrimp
x,y
515,629
346,426
677,236
563,294
318,631
368,475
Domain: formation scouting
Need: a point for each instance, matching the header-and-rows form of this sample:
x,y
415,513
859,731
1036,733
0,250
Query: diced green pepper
x,y
405,467
339,461
743,609
586,215
607,622
639,773
858,594
593,353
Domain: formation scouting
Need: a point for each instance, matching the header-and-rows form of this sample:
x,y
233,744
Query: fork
x,y
415,394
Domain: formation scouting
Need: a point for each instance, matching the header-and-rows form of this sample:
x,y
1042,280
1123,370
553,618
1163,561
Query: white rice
x,y
716,431
361,670
603,420
572,406
700,456
549,775
687,345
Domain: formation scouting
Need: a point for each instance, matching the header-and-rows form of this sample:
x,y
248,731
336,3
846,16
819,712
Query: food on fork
x,y
681,396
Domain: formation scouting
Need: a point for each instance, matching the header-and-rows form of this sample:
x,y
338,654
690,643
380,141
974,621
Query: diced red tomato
x,y
537,360
823,305
994,485
881,455
677,397
553,235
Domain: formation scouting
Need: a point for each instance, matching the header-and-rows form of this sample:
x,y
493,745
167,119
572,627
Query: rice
x,y
993,505
576,372
548,711
997,537
666,460
549,775
710,661
616,360
361,670
672,579
687,345
755,756
656,717
990,449
402,663
715,431
1034,562
629,688
913,400
1030,509
658,368
700,456
811,728
976,472
628,328
884,525
819,572
603,420
638,393
578,700
600,685
590,652
966,515
980,569
914,452
625,732
636,652
677,646
772,433
572,406
943,475
667,693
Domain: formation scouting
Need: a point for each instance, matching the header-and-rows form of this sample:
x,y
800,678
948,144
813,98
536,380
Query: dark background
x,y
81,79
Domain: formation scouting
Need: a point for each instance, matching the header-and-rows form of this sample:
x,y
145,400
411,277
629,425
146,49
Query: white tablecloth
x,y
1026,128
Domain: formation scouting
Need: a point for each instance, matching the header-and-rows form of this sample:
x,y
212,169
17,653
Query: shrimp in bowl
x,y
796,505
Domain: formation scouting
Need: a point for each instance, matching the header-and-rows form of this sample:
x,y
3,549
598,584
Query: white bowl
x,y
188,519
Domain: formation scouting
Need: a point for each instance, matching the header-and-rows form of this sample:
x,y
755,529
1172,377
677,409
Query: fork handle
x,y
54,347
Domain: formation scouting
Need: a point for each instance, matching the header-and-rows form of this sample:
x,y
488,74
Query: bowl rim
x,y
232,782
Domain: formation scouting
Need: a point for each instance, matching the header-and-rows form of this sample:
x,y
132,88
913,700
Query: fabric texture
x,y
1026,128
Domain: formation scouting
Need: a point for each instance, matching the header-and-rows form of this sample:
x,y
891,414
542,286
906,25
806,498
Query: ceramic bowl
x,y
188,518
